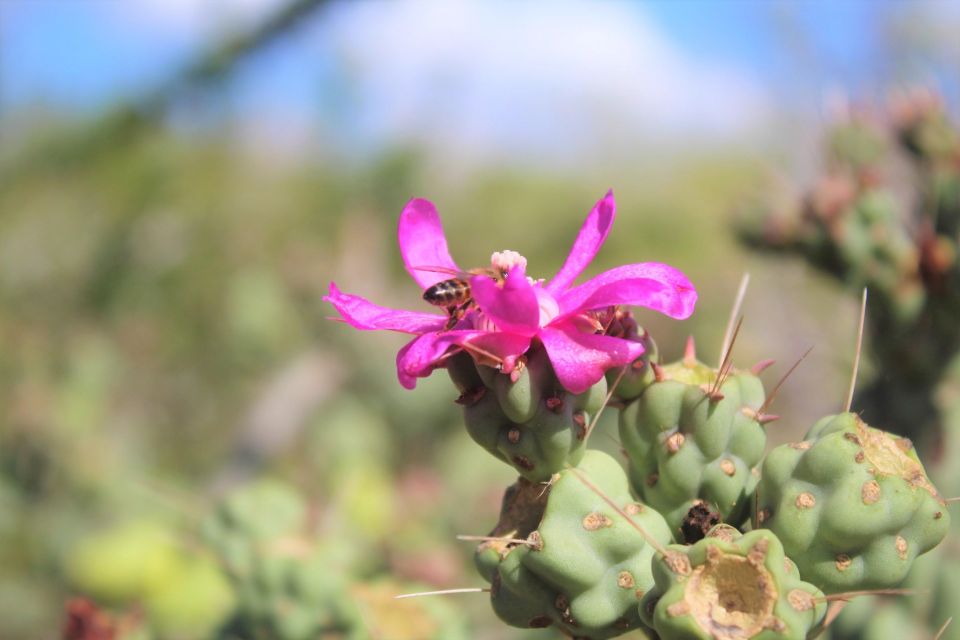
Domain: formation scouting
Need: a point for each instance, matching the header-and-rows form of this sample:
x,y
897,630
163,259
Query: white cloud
x,y
507,75
489,78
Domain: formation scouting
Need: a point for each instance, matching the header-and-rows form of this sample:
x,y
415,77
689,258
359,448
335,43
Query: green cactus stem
x,y
691,439
581,567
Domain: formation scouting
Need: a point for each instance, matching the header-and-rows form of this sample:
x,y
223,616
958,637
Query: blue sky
x,y
486,73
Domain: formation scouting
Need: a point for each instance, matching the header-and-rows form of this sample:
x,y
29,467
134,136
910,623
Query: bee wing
x,y
450,272
464,275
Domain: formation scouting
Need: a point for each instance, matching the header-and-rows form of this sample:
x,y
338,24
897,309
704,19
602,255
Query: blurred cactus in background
x,y
885,215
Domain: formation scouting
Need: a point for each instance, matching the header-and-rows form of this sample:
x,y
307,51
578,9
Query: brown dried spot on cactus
x,y
580,420
677,562
775,624
700,518
852,437
539,622
674,442
625,580
728,467
758,552
805,500
842,562
652,479
938,515
888,458
595,520
800,600
859,457
554,404
633,509
724,532
801,446
870,492
535,541
523,462
732,596
763,515
513,435
901,545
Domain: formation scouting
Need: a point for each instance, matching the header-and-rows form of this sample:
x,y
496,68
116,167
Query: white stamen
x,y
503,261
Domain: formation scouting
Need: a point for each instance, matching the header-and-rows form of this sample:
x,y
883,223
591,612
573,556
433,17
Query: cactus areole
x,y
510,313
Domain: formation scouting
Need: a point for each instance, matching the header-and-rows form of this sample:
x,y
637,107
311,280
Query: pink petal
x,y
505,347
650,284
580,359
592,234
423,244
419,357
513,307
365,315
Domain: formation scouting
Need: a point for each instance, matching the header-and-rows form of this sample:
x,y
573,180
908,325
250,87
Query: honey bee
x,y
454,294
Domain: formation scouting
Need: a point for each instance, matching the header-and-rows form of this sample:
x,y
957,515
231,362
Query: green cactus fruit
x,y
196,602
639,375
691,441
851,504
582,567
289,585
125,563
731,587
525,419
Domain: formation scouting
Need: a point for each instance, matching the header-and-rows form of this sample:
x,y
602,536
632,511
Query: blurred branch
x,y
123,122
219,61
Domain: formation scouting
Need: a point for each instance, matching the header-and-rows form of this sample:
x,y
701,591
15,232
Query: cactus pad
x,y
690,441
851,504
583,568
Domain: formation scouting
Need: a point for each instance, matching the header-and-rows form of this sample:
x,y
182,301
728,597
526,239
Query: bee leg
x,y
457,312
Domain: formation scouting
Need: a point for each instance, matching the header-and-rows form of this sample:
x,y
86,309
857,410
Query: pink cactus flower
x,y
511,314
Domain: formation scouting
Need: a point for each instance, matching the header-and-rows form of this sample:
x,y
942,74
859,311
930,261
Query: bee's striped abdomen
x,y
448,293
